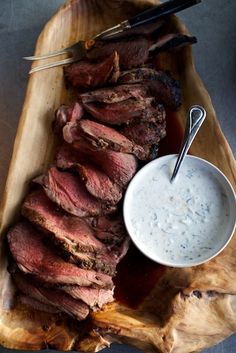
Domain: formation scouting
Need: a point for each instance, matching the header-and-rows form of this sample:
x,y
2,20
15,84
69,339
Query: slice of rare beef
x,y
66,114
52,297
123,112
36,304
32,256
132,51
119,167
68,191
104,137
73,231
68,157
86,75
94,297
116,94
158,83
99,184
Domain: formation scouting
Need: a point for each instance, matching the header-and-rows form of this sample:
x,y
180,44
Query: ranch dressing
x,y
178,222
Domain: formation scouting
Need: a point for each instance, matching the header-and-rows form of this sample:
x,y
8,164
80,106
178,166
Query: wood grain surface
x,y
189,309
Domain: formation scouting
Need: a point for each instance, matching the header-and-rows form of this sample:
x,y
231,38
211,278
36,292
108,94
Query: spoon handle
x,y
195,118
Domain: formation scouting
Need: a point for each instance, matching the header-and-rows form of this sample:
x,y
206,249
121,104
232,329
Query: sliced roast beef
x,y
119,167
159,84
96,182
103,137
67,157
72,237
116,94
99,184
68,191
93,297
37,305
67,114
52,297
32,256
132,51
123,112
172,41
68,229
86,75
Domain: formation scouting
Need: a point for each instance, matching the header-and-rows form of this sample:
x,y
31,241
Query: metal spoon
x,y
195,118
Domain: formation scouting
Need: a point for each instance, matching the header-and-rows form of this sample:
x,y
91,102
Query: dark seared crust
x,y
132,51
33,257
100,263
160,84
85,251
42,212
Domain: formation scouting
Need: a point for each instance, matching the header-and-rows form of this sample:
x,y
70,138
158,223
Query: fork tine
x,y
54,64
46,56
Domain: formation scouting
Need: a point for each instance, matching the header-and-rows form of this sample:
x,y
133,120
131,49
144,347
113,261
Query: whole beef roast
x,y
32,256
68,191
158,83
51,297
71,230
86,75
73,237
99,184
120,167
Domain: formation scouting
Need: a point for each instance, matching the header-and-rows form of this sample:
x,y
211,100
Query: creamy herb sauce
x,y
179,222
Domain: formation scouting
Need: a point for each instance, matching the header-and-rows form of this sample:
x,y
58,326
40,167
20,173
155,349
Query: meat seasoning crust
x,y
66,250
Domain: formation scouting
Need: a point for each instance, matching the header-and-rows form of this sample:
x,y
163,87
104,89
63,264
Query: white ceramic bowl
x,y
185,223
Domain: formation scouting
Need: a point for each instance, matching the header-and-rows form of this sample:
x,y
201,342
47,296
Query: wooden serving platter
x,y
156,309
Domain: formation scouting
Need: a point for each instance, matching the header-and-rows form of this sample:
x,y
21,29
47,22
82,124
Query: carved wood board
x,y
188,309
